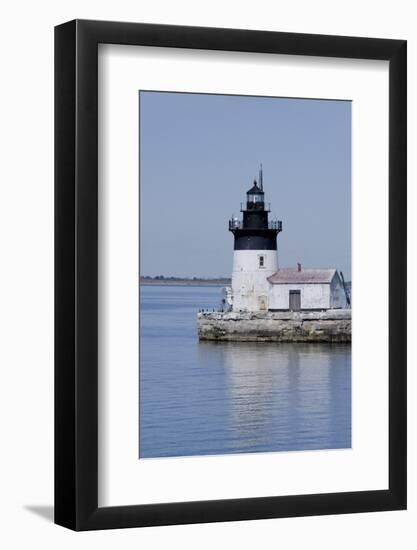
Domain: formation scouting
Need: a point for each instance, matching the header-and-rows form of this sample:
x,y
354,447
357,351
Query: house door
x,y
295,300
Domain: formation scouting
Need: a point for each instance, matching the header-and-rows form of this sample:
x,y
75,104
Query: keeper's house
x,y
297,289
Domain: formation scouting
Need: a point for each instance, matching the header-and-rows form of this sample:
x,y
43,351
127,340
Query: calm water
x,y
200,398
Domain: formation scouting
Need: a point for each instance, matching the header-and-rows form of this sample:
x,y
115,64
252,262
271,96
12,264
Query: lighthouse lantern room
x,y
255,252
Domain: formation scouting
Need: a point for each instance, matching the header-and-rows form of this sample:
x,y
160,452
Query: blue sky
x,y
199,154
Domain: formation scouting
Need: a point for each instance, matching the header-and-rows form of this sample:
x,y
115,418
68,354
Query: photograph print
x,y
244,275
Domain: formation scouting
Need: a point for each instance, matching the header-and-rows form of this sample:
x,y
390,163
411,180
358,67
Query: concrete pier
x,y
333,325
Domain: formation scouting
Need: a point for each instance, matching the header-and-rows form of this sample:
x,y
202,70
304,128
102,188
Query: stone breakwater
x,y
333,325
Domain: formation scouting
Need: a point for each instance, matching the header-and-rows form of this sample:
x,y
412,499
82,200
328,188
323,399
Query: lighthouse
x,y
255,252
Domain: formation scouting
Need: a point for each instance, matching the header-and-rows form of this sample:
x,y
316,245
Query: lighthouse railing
x,y
275,224
235,224
238,224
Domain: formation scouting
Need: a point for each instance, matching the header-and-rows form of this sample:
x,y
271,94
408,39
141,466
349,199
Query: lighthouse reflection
x,y
285,396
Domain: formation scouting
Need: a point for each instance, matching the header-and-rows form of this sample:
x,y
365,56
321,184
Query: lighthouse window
x,y
261,261
256,198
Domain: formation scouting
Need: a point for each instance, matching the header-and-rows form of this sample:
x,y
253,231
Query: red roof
x,y
292,275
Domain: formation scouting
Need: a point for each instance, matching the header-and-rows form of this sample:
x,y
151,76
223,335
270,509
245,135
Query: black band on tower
x,y
245,240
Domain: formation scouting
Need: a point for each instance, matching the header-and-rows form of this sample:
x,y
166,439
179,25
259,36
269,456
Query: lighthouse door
x,y
263,303
295,300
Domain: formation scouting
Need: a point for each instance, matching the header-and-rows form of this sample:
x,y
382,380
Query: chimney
x,y
298,267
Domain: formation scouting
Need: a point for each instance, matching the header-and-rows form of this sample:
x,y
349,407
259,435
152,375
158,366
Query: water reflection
x,y
285,396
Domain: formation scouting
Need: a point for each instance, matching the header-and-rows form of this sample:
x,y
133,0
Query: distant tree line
x,y
171,278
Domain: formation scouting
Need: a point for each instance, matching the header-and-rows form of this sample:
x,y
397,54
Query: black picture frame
x,y
76,273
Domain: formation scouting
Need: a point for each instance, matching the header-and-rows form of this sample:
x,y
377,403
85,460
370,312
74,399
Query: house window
x,y
261,261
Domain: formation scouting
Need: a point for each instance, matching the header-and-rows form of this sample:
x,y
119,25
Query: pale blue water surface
x,y
207,398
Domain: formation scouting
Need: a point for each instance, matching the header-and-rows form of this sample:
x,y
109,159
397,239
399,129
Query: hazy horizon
x,y
199,155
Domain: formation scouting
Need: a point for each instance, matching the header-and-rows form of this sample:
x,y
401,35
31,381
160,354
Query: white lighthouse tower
x,y
255,252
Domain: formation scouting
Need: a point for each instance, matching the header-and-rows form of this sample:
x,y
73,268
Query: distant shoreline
x,y
184,282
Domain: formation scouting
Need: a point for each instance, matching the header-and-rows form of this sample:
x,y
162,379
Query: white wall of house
x,y
250,288
313,295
